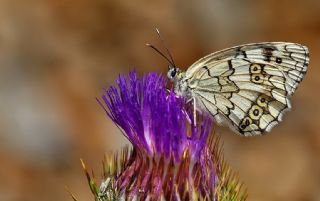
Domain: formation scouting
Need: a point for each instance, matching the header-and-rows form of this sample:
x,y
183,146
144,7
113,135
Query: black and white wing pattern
x,y
248,86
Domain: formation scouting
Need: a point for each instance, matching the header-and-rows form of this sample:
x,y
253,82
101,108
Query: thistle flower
x,y
171,157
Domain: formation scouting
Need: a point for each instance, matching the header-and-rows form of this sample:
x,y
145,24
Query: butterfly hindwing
x,y
249,86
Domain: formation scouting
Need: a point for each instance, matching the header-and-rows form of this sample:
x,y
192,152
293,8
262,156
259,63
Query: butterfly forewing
x,y
248,86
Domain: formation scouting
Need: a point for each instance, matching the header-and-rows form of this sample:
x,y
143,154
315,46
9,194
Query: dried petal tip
x,y
171,159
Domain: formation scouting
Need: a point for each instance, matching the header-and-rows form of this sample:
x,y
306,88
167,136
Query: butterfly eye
x,y
173,73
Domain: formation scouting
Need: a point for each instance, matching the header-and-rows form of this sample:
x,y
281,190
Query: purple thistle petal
x,y
152,120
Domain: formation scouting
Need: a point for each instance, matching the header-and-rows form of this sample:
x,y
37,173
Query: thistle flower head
x,y
171,158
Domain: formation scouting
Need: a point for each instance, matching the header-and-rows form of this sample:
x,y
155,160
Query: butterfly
x,y
247,87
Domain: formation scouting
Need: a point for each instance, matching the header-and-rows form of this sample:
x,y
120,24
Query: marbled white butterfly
x,y
247,86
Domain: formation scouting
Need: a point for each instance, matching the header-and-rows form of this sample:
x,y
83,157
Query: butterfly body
x,y
247,87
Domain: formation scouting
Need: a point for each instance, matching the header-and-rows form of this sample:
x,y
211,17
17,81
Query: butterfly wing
x,y
249,86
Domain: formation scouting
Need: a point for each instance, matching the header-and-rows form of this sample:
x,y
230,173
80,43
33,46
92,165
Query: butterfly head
x,y
174,74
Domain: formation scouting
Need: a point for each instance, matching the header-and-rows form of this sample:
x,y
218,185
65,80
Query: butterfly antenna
x,y
165,46
159,52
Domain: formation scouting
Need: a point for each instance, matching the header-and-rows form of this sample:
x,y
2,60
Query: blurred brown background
x,y
56,55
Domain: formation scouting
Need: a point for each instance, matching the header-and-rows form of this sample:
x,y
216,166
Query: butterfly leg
x,y
169,91
194,112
